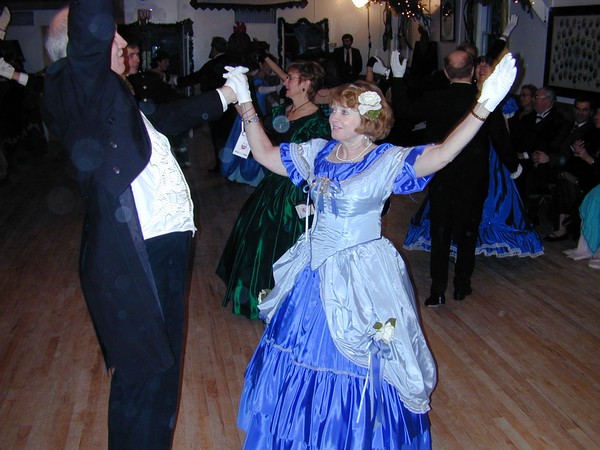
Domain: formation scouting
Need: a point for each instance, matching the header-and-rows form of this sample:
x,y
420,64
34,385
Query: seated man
x,y
550,131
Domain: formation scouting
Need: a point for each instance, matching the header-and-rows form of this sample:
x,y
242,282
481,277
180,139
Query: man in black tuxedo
x,y
565,171
138,216
457,192
348,59
551,129
583,106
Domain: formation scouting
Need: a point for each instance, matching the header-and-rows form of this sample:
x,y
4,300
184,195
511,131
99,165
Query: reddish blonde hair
x,y
347,95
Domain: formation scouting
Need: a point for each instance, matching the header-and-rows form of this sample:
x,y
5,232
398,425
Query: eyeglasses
x,y
290,78
537,97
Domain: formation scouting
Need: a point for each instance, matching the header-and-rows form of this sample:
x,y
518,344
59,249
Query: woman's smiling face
x,y
343,122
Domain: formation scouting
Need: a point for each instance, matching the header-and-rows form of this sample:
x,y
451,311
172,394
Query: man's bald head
x,y
459,66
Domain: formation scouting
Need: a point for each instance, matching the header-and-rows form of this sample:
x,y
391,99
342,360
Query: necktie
x,y
538,118
348,56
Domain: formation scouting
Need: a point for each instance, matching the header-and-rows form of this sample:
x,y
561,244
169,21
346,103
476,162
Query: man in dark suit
x,y
348,59
138,216
457,192
551,129
583,106
565,171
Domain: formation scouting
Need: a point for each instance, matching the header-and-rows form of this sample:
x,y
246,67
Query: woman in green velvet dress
x,y
269,222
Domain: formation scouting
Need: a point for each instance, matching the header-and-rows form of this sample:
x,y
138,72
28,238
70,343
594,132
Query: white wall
x,y
527,41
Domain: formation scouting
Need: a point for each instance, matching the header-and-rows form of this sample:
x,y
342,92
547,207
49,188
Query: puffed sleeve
x,y
299,159
406,182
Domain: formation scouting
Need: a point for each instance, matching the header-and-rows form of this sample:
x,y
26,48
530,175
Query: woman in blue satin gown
x,y
343,363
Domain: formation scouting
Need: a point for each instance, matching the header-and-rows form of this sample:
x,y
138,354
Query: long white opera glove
x,y
6,70
398,67
237,80
498,83
4,20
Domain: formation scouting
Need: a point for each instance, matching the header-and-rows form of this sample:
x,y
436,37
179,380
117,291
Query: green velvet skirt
x,y
268,225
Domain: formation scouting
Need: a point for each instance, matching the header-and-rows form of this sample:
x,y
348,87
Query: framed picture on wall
x,y
447,20
573,51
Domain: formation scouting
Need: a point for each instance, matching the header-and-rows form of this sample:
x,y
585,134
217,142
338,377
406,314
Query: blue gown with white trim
x,y
306,385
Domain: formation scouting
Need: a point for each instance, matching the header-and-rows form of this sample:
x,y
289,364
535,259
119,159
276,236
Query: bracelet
x,y
251,119
477,116
248,113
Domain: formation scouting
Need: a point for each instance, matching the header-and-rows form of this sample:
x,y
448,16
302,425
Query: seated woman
x,y
270,221
343,362
588,246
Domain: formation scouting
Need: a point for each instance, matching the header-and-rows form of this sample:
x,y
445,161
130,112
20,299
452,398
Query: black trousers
x,y
455,215
143,415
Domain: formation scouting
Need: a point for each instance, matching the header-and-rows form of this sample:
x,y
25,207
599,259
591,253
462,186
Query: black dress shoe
x,y
435,300
460,294
554,238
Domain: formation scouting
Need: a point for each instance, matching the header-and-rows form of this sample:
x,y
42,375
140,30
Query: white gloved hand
x,y
379,68
237,81
517,172
498,83
4,20
398,66
511,25
6,70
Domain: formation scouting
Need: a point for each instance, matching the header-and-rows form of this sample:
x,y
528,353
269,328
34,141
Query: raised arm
x,y
261,147
495,88
276,69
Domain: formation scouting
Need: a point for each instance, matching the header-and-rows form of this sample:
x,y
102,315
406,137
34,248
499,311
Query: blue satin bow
x,y
325,187
380,352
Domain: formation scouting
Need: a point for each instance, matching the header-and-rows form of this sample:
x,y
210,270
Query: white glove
x,y
6,70
398,68
237,81
379,68
23,78
4,20
517,172
511,25
498,83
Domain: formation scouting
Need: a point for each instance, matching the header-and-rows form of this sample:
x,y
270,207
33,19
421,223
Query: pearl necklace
x,y
337,153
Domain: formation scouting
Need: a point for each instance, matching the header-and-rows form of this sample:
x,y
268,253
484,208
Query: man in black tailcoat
x,y
138,216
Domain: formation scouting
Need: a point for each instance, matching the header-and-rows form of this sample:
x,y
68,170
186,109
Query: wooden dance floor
x,y
518,361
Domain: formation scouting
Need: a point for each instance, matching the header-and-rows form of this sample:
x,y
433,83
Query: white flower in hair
x,y
369,104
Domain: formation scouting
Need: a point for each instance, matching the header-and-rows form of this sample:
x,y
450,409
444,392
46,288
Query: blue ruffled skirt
x,y
504,230
300,392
